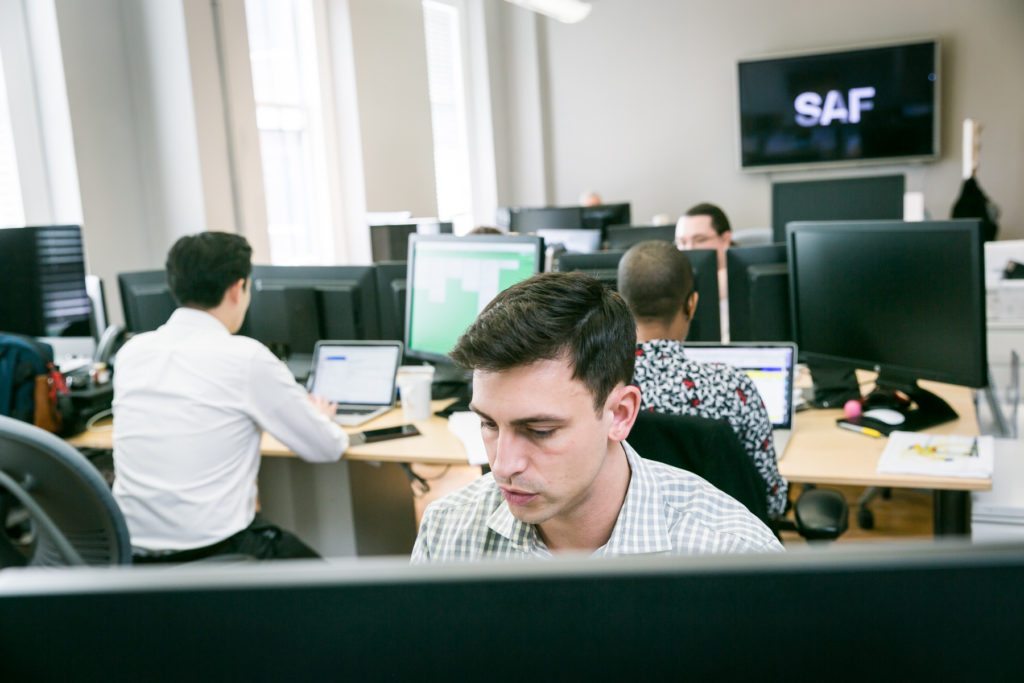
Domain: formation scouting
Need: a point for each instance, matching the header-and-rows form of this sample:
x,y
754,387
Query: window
x,y
285,76
12,211
448,112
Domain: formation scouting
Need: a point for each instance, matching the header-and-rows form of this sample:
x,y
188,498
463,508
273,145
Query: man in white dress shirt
x,y
190,402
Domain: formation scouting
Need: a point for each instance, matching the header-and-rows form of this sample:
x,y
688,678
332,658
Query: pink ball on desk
x,y
852,409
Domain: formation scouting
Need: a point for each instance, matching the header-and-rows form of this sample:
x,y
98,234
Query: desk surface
x,y
435,446
819,452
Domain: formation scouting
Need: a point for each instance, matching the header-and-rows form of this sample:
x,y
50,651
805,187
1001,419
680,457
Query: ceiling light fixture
x,y
566,11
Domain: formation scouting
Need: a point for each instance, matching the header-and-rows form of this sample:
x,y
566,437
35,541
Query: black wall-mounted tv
x,y
861,105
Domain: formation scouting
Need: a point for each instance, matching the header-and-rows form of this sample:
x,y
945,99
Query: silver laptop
x,y
357,375
771,366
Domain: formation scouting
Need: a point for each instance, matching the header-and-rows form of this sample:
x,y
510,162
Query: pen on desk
x,y
867,431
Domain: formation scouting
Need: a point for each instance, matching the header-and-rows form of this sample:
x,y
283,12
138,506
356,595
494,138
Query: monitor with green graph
x,y
451,279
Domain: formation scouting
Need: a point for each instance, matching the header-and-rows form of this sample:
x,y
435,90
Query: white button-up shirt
x,y
190,401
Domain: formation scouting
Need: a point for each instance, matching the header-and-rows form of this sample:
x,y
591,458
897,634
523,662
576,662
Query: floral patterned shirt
x,y
673,384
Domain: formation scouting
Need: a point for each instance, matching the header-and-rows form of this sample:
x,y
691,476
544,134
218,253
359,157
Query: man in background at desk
x,y
705,226
657,282
190,401
552,360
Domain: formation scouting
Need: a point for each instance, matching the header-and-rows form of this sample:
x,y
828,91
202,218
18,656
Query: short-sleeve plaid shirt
x,y
666,510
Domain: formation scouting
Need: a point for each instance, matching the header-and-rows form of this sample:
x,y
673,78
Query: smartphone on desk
x,y
385,434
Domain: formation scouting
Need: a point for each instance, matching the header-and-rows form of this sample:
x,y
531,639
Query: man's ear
x,y
690,308
235,291
624,404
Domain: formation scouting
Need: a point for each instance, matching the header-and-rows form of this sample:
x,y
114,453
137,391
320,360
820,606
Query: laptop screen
x,y
769,366
356,374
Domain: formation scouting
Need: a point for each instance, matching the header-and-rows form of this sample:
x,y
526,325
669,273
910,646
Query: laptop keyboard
x,y
355,411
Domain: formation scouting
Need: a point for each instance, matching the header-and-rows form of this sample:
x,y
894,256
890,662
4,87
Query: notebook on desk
x,y
770,365
357,375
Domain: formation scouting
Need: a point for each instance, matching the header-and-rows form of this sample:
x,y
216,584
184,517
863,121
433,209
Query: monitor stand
x,y
834,385
921,409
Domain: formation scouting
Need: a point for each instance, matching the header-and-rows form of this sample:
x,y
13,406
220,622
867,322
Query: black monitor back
x,y
526,219
606,215
622,237
42,282
391,242
294,306
603,265
391,295
706,325
758,285
954,614
146,299
868,198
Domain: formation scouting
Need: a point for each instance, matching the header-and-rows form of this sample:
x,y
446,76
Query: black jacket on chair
x,y
708,448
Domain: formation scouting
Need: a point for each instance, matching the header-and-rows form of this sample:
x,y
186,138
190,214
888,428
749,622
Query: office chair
x,y
71,513
711,450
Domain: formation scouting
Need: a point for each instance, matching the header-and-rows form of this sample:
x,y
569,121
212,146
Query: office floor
x,y
906,516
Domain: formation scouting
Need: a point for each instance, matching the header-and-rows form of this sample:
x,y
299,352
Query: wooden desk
x,y
360,505
435,446
820,452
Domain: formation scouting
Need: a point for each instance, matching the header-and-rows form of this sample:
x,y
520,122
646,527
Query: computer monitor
x,y
450,280
42,282
390,242
294,306
868,198
575,241
391,294
146,299
904,299
603,216
705,326
758,279
719,617
603,265
526,219
622,237
98,318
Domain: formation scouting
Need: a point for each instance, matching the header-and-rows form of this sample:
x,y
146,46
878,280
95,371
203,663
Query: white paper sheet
x,y
938,455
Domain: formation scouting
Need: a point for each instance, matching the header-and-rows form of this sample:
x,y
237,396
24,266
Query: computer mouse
x,y
886,415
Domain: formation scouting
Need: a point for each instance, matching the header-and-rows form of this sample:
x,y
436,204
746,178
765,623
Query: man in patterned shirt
x,y
552,359
657,282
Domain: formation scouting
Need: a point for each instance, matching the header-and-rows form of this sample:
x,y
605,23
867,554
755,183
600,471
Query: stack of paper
x,y
940,456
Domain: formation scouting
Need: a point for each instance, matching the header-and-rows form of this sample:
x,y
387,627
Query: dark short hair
x,y
718,220
550,316
201,267
656,280
485,230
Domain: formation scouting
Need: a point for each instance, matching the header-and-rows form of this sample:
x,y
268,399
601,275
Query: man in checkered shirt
x,y
552,359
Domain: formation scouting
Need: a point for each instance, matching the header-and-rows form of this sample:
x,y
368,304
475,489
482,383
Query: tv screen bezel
x,y
935,155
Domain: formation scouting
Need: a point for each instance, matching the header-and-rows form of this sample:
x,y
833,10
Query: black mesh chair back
x,y
72,518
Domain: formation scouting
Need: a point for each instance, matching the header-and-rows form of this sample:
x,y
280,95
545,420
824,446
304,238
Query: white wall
x,y
517,105
105,128
389,48
640,98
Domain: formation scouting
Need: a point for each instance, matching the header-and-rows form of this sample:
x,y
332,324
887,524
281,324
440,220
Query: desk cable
x,y
90,424
420,485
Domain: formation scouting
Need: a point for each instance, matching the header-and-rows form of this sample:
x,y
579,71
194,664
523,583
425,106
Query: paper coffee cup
x,y
414,390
